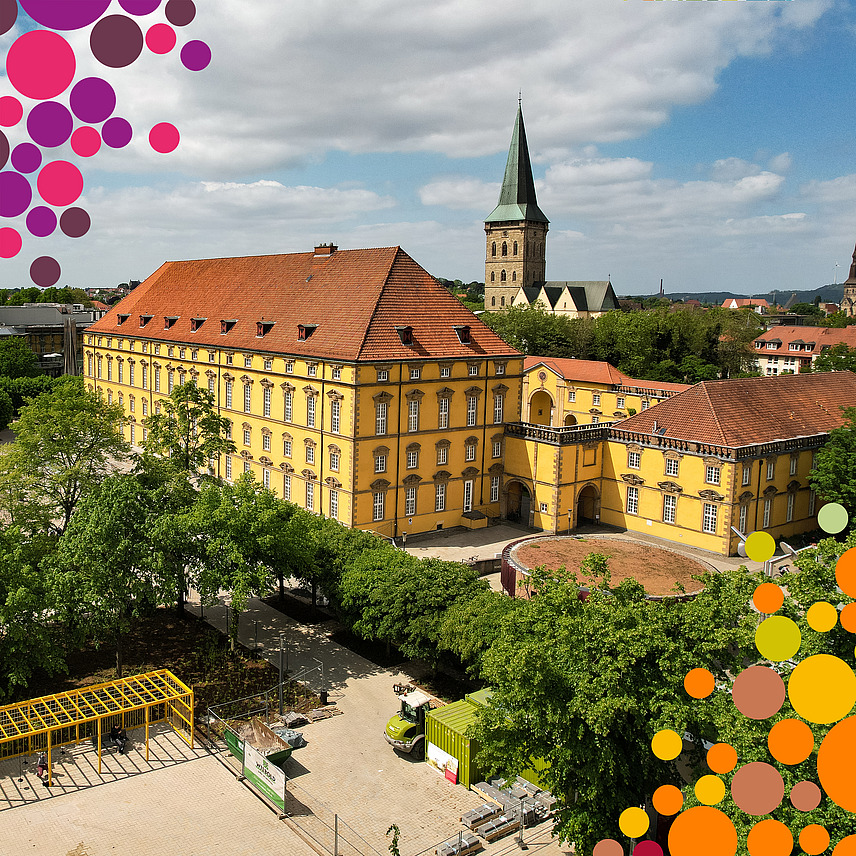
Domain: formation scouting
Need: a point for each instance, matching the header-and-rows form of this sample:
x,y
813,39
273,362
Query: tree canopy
x,y
839,358
834,473
17,359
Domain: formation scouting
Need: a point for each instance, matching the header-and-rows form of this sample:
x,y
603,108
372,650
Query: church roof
x,y
851,280
517,197
588,296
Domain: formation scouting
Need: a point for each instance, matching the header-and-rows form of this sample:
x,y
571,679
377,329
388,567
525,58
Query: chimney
x,y
325,249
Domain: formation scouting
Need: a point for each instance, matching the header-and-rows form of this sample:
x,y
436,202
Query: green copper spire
x,y
517,197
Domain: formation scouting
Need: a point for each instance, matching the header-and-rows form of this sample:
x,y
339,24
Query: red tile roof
x,y
742,302
596,371
355,297
821,337
746,411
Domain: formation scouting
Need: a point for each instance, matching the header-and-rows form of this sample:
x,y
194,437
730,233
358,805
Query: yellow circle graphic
x,y
822,616
822,689
709,790
777,638
667,744
633,822
760,546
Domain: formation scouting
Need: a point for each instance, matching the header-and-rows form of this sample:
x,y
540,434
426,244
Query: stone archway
x,y
570,419
518,506
588,506
541,408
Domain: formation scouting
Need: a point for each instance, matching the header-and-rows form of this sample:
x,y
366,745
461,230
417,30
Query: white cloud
x,y
461,193
780,163
733,168
835,191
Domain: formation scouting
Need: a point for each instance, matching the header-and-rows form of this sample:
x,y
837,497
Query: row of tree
x,y
33,294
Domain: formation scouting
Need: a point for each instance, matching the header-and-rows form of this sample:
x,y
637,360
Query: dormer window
x,y
196,323
304,331
121,319
463,333
144,319
169,321
227,324
263,328
405,334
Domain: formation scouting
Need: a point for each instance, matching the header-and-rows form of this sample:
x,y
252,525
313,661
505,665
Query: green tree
x,y
838,358
808,309
65,444
7,410
834,474
17,359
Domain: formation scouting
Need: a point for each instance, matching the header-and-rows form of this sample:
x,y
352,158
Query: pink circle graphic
x,y
66,15
86,141
26,157
10,111
116,132
8,15
60,183
74,222
608,847
49,124
757,788
160,38
164,137
45,271
758,692
15,194
139,7
116,41
10,243
195,55
92,100
41,221
41,64
180,12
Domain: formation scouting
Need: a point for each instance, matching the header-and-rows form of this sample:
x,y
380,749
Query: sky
x,y
712,145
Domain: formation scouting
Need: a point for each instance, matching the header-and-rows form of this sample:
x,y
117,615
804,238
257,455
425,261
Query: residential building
x,y
783,350
756,304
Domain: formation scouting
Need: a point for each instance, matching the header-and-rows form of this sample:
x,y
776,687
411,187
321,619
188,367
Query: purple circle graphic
x,y
180,12
4,149
15,194
26,157
49,124
41,221
139,7
195,55
66,15
45,271
92,100
116,41
8,15
116,132
74,222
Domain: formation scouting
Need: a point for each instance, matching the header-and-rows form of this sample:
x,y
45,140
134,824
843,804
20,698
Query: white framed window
x,y
443,421
595,399
133,434
412,460
747,475
670,504
109,369
768,507
794,460
380,418
544,507
310,411
672,466
228,423
711,475
289,366
497,448
228,391
109,396
494,488
266,477
440,496
286,448
248,361
266,442
132,404
619,402
645,404
335,415
595,420
312,370
247,436
442,455
380,463
334,461
634,460
572,395
377,506
771,470
632,500
334,504
337,373
498,407
229,467
268,365
741,522
445,371
409,501
708,520
131,373
500,369
99,365
266,402
415,373
472,404
211,355
790,516
157,379
145,407
286,487
468,495
310,454
310,496
287,406
382,375
470,452
413,415
473,370
211,385
812,501
248,398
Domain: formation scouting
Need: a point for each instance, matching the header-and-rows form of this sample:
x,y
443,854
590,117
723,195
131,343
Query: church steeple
x,y
516,229
848,302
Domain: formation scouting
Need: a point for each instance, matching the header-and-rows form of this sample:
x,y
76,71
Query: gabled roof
x,y
582,371
746,411
821,337
587,296
355,299
517,197
741,302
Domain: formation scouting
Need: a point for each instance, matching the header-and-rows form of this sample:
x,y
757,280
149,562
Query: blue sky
x,y
709,144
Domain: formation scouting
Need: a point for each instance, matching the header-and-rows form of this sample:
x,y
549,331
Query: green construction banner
x,y
267,778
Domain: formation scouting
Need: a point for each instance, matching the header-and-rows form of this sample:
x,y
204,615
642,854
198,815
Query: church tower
x,y
516,229
848,302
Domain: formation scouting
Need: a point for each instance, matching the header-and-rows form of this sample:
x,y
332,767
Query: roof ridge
x,y
371,318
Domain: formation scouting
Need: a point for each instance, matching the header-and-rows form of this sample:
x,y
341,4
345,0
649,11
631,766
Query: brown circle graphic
x,y
758,692
805,796
757,788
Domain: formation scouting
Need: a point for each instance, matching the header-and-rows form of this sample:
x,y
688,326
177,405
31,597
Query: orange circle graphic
x,y
836,760
845,847
770,838
768,598
848,618
814,839
845,572
699,683
668,800
702,831
790,741
722,758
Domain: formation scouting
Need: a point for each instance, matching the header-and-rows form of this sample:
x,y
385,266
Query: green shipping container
x,y
445,728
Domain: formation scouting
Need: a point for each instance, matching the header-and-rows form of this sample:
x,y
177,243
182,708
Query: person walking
x,y
42,767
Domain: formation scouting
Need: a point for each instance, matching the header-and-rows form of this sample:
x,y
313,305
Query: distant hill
x,y
827,293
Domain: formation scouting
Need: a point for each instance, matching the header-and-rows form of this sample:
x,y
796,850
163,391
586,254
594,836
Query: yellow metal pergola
x,y
39,724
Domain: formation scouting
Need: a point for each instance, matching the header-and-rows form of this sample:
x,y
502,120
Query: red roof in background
x,y
745,411
597,371
744,301
355,297
98,304
823,337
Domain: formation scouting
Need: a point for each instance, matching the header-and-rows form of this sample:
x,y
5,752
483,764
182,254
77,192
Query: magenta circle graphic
x,y
15,194
60,183
195,55
10,111
647,848
139,7
26,157
10,243
92,100
180,12
164,137
116,41
86,142
4,149
40,64
45,271
160,38
74,222
41,221
8,15
49,124
66,15
116,132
